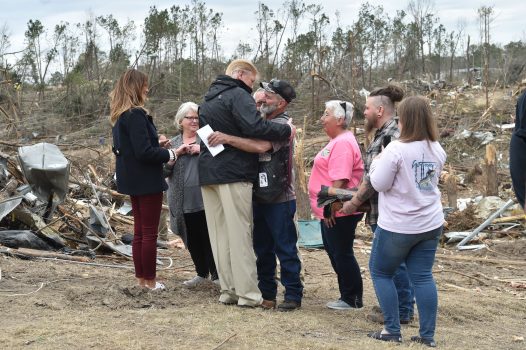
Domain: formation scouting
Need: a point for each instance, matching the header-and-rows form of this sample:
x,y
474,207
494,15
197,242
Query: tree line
x,y
180,49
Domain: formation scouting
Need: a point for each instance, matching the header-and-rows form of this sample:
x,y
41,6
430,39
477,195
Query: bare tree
x,y
485,19
420,10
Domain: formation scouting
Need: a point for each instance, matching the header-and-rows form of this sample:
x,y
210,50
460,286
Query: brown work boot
x,y
268,304
289,305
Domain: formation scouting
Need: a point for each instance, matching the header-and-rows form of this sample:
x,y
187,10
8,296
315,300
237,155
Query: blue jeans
x,y
389,250
338,242
275,235
404,289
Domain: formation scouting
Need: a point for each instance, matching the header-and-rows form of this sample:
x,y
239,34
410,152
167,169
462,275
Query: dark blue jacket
x,y
139,159
520,119
229,108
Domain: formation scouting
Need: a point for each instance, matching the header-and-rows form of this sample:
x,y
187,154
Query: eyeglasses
x,y
193,119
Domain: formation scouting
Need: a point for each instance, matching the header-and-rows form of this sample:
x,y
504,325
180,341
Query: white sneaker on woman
x,y
158,286
194,281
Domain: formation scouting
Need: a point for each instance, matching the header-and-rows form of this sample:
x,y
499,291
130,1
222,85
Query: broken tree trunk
x,y
451,189
510,218
492,184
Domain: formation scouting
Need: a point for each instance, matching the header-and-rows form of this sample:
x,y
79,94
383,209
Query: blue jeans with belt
x,y
404,289
275,234
389,250
338,242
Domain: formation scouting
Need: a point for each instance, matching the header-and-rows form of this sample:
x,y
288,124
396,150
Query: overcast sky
x,y
238,15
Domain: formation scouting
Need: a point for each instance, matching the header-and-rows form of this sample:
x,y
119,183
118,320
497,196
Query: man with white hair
x,y
275,232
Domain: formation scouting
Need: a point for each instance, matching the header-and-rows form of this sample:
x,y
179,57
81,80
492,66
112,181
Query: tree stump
x,y
450,182
490,164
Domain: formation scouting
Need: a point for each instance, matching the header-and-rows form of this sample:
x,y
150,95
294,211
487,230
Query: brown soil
x,y
46,304
58,305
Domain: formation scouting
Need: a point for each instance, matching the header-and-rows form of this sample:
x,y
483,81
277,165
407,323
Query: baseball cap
x,y
280,87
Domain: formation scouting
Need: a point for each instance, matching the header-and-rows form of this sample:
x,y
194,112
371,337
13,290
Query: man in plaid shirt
x,y
380,114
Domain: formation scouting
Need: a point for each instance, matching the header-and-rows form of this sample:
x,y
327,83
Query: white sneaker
x,y
158,286
216,282
194,281
339,305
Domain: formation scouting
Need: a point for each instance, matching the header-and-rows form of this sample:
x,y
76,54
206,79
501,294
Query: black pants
x,y
199,244
338,242
518,167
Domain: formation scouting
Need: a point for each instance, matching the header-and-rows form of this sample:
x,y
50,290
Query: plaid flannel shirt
x,y
390,128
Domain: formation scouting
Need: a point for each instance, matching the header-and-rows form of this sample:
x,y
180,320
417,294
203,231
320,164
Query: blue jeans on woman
x,y
404,289
389,250
338,242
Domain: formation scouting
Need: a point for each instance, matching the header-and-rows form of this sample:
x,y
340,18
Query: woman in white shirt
x,y
410,218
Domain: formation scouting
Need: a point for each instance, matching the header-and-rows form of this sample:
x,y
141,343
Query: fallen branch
x,y
474,259
458,287
510,218
33,253
224,341
18,295
463,274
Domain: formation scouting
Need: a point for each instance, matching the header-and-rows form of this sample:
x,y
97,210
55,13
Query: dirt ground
x,y
46,304
50,304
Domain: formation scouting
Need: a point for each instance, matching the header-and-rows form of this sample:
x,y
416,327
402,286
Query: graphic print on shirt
x,y
325,153
424,174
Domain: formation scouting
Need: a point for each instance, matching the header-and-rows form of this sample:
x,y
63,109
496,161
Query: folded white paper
x,y
203,133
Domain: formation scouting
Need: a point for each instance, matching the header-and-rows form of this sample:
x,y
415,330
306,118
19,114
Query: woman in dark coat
x,y
139,168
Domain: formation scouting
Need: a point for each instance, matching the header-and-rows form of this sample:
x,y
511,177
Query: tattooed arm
x,y
365,191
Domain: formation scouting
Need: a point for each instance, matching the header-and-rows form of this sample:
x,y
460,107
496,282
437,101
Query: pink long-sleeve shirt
x,y
339,160
406,177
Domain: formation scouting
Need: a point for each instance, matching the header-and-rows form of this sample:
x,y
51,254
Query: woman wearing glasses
x,y
187,214
339,164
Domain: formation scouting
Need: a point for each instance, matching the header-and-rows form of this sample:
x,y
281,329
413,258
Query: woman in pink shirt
x,y
339,164
410,218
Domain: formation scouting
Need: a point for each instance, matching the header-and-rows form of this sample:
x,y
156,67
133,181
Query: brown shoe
x,y
268,304
289,305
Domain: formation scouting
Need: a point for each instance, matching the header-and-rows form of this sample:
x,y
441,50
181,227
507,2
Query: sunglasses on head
x,y
344,106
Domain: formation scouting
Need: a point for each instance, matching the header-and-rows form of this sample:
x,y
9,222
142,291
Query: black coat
x,y
520,119
230,108
139,159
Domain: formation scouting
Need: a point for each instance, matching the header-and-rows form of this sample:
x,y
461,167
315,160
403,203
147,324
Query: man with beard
x,y
227,179
380,115
275,233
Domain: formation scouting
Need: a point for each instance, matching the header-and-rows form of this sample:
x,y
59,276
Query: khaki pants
x,y
228,209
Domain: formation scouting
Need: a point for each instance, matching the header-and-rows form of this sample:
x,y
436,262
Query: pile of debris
x,y
45,213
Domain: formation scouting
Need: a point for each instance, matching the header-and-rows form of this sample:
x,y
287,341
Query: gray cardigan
x,y
175,193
